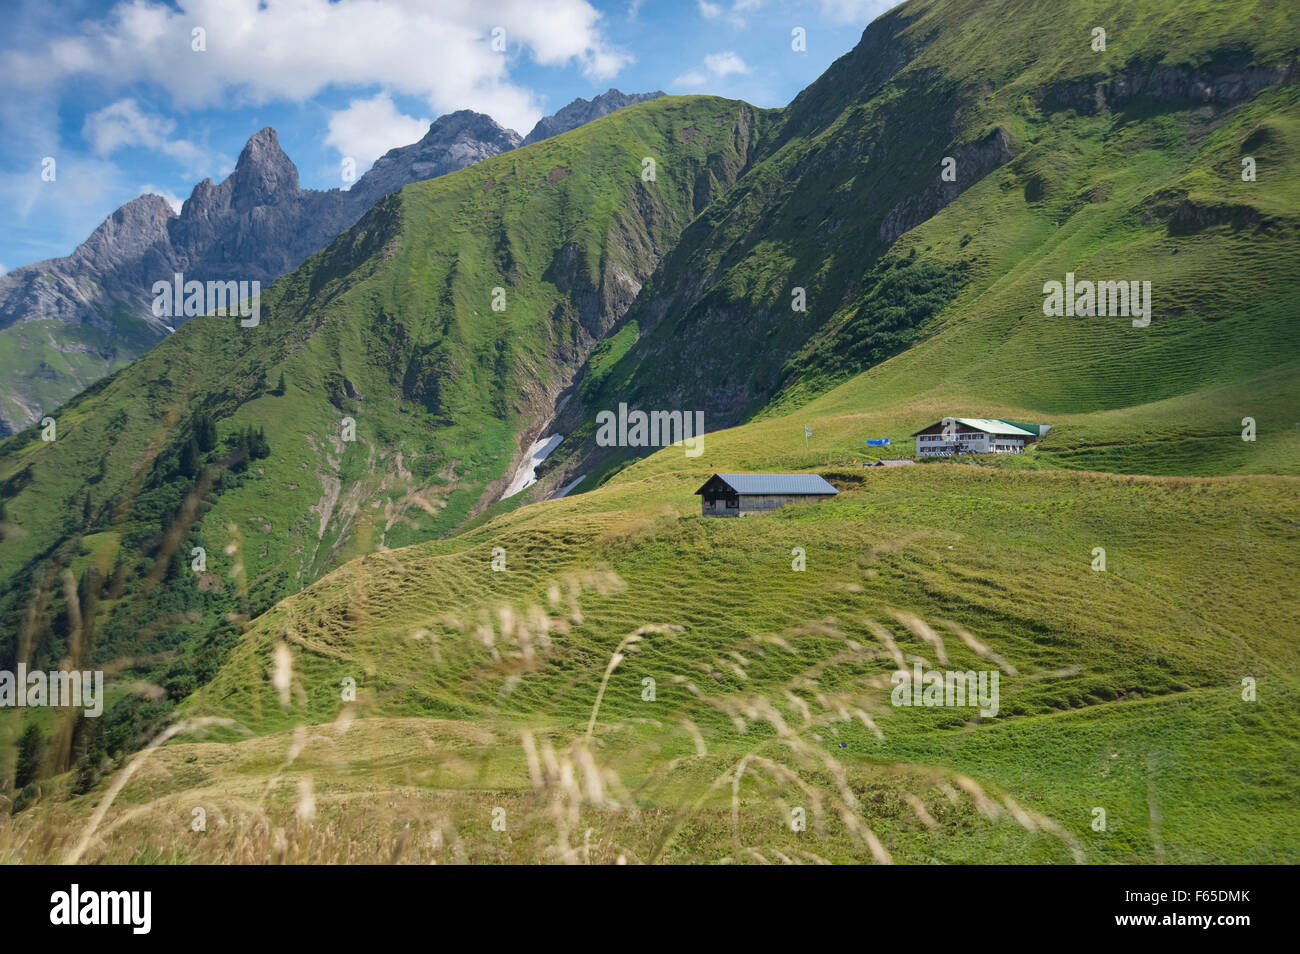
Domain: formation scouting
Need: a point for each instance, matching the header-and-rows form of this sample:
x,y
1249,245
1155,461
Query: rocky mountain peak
x,y
133,227
582,111
453,141
467,124
263,173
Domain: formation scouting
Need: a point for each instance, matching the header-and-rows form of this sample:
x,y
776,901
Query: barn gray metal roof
x,y
775,484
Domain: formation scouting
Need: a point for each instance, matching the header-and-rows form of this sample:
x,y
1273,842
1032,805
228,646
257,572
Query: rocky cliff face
x,y
110,264
1221,83
256,225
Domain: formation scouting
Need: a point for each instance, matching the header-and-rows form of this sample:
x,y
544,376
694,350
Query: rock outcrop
x,y
582,111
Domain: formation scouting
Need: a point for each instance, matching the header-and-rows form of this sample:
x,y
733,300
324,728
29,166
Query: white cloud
x,y
368,128
723,65
172,198
736,15
124,124
717,66
273,50
691,78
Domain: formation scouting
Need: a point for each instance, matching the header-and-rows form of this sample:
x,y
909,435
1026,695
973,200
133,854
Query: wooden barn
x,y
742,495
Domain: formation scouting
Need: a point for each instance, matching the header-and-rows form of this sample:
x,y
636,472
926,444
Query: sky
x,y
103,101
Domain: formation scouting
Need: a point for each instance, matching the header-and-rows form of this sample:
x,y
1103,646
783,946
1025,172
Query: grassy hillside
x,y
1167,399
1119,689
57,360
1123,164
235,440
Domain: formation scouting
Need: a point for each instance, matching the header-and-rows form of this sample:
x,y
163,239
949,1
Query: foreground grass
x,y
1120,690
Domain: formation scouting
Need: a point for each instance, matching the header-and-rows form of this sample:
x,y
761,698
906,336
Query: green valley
x,y
326,627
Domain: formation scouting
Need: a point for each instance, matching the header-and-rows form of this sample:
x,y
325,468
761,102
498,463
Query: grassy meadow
x,y
475,688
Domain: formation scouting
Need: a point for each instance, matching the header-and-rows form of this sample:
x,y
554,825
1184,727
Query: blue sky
x,y
117,95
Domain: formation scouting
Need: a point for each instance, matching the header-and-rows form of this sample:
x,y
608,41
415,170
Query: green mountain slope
x,y
236,440
1116,165
58,360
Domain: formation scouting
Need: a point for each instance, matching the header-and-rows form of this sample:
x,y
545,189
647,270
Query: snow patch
x,y
565,490
526,475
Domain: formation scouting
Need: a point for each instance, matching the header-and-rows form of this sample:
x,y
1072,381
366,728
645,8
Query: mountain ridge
x,y
256,225
432,362
852,167
582,111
